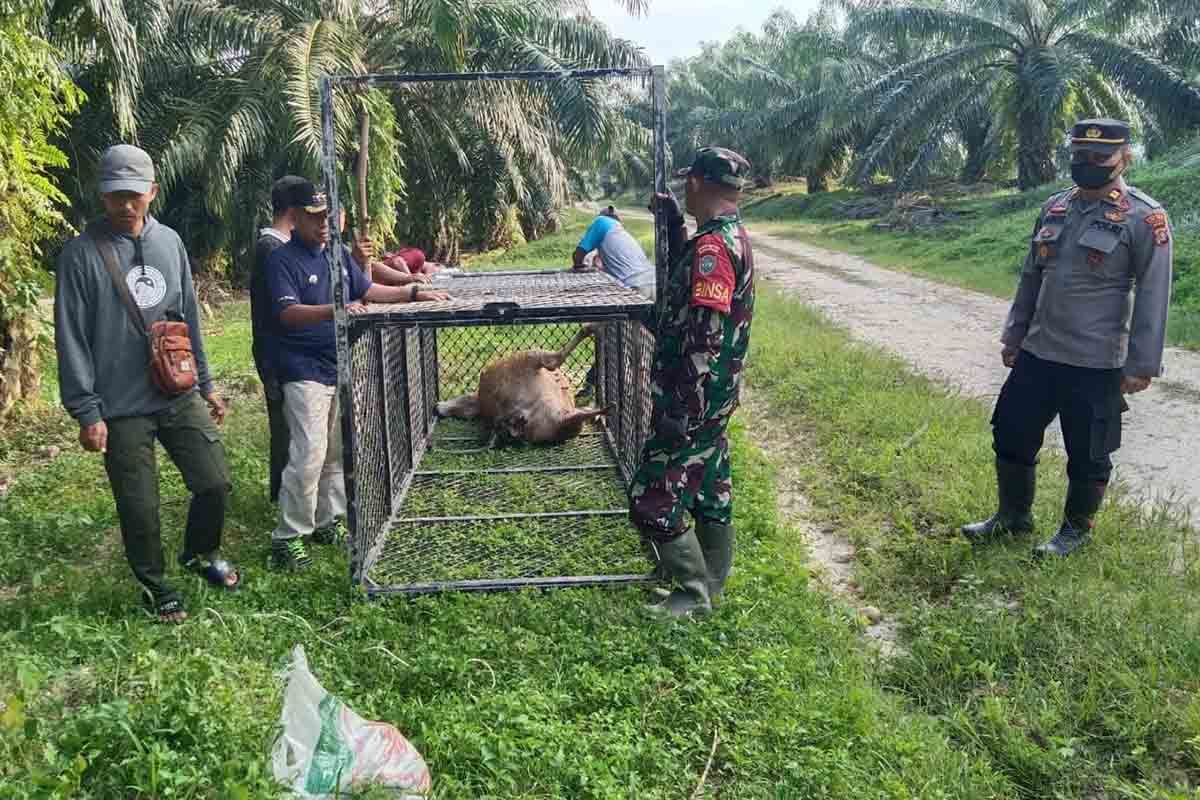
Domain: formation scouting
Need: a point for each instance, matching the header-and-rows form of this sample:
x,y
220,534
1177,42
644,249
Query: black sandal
x,y
164,607
216,571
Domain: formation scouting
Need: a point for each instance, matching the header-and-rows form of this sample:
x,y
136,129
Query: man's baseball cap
x,y
1100,135
719,165
281,192
305,195
125,168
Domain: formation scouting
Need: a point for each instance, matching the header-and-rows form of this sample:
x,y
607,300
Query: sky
x,y
675,28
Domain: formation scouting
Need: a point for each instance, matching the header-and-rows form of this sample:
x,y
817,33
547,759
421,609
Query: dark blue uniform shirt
x,y
297,274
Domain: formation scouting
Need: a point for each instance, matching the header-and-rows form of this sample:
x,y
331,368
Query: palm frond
x,y
1164,91
929,23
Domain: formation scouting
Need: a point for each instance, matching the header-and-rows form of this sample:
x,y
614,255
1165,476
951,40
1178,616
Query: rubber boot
x,y
1079,516
716,542
659,573
684,562
1016,485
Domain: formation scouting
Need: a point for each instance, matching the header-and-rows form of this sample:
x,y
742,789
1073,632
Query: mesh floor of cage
x,y
510,515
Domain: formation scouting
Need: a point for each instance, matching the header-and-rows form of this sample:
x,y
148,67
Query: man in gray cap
x,y
1087,326
127,259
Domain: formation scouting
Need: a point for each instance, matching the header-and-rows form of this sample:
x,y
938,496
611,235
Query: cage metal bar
x,y
603,512
384,422
583,435
626,317
658,89
333,254
514,470
507,584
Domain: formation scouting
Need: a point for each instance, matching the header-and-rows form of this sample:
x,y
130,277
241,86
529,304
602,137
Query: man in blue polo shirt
x,y
620,256
312,495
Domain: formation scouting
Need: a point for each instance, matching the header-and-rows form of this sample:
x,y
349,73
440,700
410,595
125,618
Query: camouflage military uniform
x,y
703,333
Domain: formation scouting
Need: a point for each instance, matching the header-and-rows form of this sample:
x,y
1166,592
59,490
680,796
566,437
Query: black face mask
x,y
1093,176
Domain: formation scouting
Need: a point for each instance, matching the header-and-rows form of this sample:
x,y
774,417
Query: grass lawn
x,y
1076,680
517,695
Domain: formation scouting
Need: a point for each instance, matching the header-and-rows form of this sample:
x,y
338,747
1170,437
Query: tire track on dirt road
x,y
952,335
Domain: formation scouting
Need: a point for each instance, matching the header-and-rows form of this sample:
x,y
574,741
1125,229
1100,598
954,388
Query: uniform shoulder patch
x,y
1145,198
1059,202
712,274
1156,219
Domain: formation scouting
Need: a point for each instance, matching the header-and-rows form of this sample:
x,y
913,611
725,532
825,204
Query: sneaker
x,y
289,554
333,533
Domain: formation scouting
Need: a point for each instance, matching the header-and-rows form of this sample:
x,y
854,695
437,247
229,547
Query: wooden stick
x,y
704,775
364,139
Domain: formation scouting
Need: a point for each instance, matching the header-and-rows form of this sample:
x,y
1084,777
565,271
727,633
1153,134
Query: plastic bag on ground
x,y
325,749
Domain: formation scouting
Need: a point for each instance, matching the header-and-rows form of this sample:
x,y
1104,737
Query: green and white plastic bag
x,y
324,749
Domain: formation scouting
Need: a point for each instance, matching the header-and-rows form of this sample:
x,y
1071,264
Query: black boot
x,y
1016,485
1079,516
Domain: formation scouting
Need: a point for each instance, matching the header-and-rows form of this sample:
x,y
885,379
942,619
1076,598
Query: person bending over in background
x,y
618,254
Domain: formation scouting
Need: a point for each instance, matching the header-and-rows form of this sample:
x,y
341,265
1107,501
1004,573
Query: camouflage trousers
x,y
672,481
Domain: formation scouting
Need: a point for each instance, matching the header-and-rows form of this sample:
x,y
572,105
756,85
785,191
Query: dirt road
x,y
952,335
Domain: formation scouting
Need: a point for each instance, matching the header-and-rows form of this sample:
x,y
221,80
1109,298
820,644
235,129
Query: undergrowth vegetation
x,y
984,249
1075,678
1066,680
511,695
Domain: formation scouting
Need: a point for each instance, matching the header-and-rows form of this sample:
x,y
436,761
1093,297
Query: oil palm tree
x,y
227,99
1034,64
799,90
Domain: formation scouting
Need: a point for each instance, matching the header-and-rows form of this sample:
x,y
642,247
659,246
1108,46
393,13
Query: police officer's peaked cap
x,y
719,165
1100,135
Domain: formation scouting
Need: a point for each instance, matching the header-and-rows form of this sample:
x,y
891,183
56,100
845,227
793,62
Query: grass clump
x,y
1073,678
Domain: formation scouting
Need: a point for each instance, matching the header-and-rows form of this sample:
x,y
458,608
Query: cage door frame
x,y
333,253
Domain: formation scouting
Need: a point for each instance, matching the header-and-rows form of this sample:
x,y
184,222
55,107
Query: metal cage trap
x,y
431,506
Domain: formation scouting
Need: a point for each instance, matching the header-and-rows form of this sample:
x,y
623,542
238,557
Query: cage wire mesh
x,y
432,508
437,508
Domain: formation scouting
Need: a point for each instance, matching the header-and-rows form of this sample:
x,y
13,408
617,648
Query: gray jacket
x,y
1096,284
103,360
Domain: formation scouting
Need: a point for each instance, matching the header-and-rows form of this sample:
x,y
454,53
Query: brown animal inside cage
x,y
433,506
526,397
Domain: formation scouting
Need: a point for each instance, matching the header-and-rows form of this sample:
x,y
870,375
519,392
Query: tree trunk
x,y
20,378
1035,156
817,181
975,140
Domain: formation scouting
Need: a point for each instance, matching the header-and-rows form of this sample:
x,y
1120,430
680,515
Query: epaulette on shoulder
x,y
1145,198
1059,200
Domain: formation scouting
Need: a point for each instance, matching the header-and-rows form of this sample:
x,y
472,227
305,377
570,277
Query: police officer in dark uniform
x,y
1086,327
